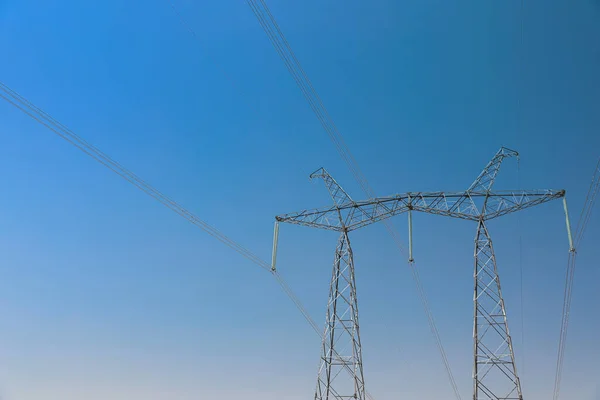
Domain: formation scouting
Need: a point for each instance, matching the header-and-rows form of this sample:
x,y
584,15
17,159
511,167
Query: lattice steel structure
x,y
494,369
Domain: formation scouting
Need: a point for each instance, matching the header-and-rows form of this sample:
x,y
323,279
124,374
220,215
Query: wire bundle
x,y
49,122
584,218
45,119
281,45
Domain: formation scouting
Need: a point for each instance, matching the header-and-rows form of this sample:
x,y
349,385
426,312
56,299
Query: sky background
x,y
106,294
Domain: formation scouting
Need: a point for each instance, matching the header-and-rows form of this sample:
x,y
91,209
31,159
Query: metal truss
x,y
494,370
341,342
452,204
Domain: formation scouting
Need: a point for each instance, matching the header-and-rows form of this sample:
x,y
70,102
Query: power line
x,y
590,200
280,280
24,105
49,122
584,218
45,119
564,323
281,45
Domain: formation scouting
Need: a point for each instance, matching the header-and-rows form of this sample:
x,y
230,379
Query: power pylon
x,y
494,370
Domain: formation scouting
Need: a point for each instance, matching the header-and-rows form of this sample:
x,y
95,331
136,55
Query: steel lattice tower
x,y
494,369
341,332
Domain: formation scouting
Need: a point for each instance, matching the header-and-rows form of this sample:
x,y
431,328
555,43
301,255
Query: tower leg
x,y
341,342
494,369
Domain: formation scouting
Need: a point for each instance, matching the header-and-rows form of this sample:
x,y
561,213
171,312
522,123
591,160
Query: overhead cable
x,y
584,219
45,119
590,200
281,45
65,133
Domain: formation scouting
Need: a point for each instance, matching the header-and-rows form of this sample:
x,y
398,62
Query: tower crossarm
x,y
367,212
363,213
496,204
322,218
502,203
450,204
359,214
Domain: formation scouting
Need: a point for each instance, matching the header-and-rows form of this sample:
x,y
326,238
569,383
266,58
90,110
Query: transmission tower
x,y
494,370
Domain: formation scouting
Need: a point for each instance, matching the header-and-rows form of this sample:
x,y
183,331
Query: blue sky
x,y
107,294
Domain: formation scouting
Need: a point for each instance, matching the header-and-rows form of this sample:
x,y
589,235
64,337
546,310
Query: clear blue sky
x,y
106,294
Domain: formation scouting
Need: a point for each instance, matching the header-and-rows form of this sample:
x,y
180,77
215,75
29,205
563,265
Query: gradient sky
x,y
106,294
